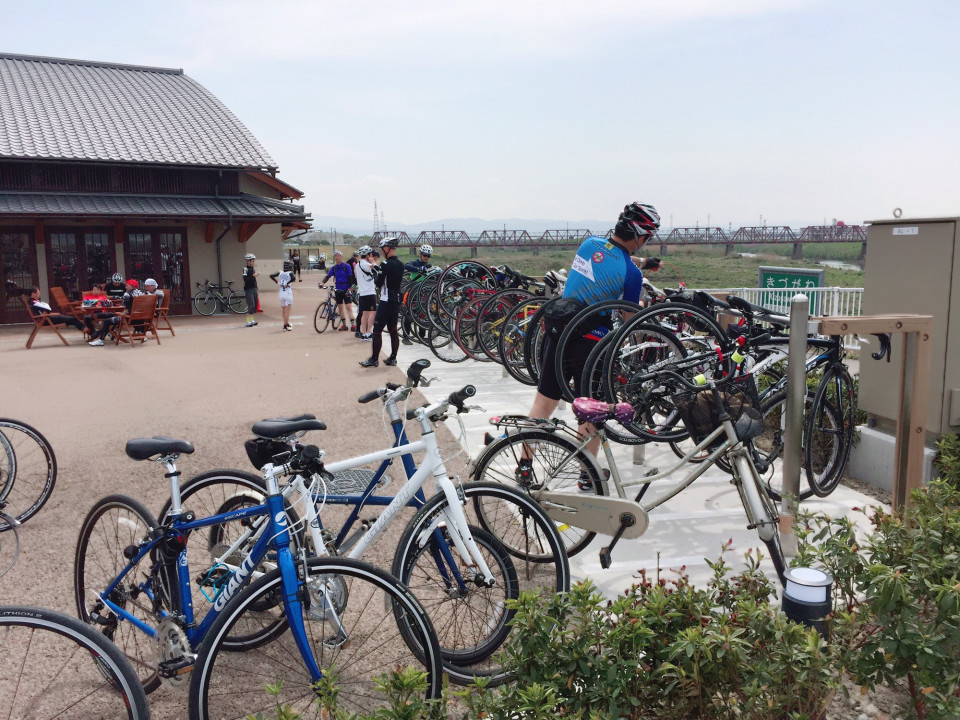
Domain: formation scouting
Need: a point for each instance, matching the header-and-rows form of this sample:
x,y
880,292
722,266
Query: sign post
x,y
782,283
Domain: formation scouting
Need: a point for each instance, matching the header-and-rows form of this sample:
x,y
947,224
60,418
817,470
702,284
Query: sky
x,y
719,112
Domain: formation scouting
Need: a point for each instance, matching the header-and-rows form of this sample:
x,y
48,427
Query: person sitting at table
x,y
133,290
150,288
38,307
115,287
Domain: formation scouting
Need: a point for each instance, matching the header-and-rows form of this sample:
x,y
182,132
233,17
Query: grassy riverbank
x,y
699,267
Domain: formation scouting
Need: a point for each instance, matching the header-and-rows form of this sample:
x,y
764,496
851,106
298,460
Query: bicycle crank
x,y
604,515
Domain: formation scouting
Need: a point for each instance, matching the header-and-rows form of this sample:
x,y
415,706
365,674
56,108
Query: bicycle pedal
x,y
176,668
605,558
651,472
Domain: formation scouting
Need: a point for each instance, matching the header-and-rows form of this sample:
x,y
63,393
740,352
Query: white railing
x,y
829,301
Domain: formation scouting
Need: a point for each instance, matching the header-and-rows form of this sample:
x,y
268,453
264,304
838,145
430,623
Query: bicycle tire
x,y
635,350
556,465
237,302
232,684
827,440
470,625
74,671
533,343
511,339
465,330
321,318
205,302
34,471
522,527
491,318
113,524
443,346
769,445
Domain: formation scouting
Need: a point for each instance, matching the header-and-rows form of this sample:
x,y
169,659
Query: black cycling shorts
x,y
575,358
368,302
341,296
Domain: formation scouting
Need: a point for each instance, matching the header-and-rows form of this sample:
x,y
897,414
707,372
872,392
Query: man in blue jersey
x,y
602,270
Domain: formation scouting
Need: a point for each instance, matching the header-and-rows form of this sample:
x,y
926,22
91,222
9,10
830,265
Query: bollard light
x,y
807,597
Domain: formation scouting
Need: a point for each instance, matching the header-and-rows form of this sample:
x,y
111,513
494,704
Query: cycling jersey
x,y
342,276
602,271
365,282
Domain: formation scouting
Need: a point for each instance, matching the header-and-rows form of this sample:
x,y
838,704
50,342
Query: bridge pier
x,y
797,251
863,252
663,250
536,250
473,251
728,249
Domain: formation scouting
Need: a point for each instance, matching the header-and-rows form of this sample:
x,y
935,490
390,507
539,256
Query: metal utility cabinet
x,y
913,266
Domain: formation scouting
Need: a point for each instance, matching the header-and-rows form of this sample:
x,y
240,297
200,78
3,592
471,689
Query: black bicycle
x,y
211,296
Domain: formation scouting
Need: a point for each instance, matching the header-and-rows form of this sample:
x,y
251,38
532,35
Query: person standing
x,y
296,266
250,288
283,279
366,292
388,311
602,270
342,275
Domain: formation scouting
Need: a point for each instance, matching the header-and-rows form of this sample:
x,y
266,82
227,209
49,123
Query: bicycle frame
x,y
274,536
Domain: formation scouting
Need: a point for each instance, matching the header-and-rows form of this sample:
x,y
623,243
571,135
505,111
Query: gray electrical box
x,y
913,267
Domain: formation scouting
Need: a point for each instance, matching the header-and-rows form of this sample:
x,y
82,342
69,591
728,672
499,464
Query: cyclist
x,y
132,290
388,312
250,288
115,288
283,279
602,270
342,274
367,292
417,269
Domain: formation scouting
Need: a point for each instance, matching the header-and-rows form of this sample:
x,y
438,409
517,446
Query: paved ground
x,y
214,379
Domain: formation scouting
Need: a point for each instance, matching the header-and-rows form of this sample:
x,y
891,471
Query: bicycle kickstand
x,y
626,520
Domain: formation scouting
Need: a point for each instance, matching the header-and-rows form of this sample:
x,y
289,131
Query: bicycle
x,y
548,459
327,313
211,296
452,562
28,471
58,666
305,621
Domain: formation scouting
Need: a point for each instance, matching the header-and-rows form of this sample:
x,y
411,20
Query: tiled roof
x,y
52,108
240,208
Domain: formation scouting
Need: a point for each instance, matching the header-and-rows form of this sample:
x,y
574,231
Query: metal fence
x,y
826,302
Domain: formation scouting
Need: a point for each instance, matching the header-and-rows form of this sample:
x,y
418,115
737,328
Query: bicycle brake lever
x,y
884,339
426,382
475,407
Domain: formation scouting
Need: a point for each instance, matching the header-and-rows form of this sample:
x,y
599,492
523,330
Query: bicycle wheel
x,y
511,339
443,346
522,528
28,470
205,302
492,317
533,343
637,352
768,447
350,612
114,524
321,318
334,317
556,465
465,330
237,302
58,667
472,622
828,432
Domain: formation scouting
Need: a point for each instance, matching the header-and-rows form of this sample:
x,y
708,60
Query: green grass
x,y
699,267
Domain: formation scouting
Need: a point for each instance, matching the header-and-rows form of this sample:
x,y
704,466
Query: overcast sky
x,y
722,110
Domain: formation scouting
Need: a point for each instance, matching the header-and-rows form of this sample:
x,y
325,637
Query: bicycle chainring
x,y
175,656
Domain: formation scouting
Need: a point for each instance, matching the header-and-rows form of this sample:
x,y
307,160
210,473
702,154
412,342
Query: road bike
x,y
328,312
211,296
28,471
314,627
447,554
549,460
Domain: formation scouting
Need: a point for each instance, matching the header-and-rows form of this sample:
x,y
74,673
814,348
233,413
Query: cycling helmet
x,y
426,250
116,279
388,242
250,256
365,250
637,221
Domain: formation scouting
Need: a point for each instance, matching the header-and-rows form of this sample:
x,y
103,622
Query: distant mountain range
x,y
355,226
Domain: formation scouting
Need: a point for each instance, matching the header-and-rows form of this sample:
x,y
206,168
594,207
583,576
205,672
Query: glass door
x,y
18,273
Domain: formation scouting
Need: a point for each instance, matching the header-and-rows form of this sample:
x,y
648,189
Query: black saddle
x,y
274,428
145,448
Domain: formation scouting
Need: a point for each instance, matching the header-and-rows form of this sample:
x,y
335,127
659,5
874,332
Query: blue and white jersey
x,y
602,271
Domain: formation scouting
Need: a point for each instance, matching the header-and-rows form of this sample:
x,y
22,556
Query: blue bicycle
x,y
317,627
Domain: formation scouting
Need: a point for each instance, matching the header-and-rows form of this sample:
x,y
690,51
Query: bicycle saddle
x,y
596,411
144,448
278,427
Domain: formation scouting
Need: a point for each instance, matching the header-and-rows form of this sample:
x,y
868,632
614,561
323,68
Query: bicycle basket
x,y
700,416
261,451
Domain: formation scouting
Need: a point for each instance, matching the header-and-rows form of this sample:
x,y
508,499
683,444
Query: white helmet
x,y
426,250
365,250
250,256
389,242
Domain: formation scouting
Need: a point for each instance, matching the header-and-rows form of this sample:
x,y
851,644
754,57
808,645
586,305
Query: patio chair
x,y
40,322
140,324
163,312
